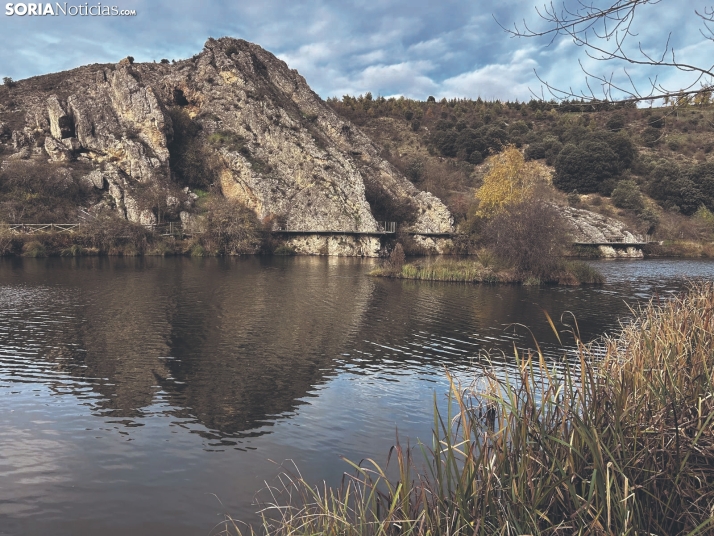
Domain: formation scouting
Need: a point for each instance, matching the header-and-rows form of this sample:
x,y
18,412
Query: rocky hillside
x,y
652,167
145,141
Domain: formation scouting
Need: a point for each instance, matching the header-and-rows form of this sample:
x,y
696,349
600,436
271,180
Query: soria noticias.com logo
x,y
64,9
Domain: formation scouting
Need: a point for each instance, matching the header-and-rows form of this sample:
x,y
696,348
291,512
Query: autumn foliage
x,y
510,181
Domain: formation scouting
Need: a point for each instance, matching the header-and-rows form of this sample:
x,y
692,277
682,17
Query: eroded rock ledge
x,y
591,227
291,159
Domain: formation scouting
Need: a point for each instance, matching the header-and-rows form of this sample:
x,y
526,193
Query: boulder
x,y
56,150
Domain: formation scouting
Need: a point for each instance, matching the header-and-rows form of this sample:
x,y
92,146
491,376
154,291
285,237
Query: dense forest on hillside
x,y
653,166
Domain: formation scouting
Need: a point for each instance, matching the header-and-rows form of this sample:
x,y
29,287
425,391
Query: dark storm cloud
x,y
414,48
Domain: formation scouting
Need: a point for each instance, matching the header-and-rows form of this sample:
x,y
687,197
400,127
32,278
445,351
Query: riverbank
x,y
483,271
125,239
619,442
685,249
116,237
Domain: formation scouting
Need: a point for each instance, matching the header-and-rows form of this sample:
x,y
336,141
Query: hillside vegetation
x,y
233,145
654,168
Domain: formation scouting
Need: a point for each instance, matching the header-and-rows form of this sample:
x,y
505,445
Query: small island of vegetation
x,y
516,230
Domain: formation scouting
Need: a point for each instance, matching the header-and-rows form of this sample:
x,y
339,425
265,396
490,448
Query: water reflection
x,y
126,383
231,344
234,344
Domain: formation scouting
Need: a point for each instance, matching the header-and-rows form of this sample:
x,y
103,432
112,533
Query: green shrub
x,y
627,195
583,274
74,250
651,137
468,142
672,188
535,151
621,145
585,167
702,175
197,250
649,220
675,144
706,218
445,142
616,122
656,121
574,198
230,140
284,249
34,249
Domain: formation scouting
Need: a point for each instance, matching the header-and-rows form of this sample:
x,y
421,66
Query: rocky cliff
x,y
233,118
586,226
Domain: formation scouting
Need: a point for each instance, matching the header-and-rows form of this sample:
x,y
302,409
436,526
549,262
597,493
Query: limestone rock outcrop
x,y
273,144
590,227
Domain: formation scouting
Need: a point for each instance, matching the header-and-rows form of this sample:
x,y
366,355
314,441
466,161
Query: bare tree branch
x,y
604,33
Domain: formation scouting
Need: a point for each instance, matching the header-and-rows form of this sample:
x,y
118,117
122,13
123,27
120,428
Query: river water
x,y
153,396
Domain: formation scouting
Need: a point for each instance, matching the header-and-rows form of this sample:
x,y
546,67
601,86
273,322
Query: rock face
x,y
588,226
273,144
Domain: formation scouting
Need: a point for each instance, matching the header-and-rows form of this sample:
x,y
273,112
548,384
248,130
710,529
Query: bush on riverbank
x,y
617,440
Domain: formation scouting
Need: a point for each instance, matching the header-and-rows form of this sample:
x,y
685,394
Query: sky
x,y
414,48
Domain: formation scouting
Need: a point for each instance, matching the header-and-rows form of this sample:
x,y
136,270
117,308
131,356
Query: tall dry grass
x,y
488,269
618,440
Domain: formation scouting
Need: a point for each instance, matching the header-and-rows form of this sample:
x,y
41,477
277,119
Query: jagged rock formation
x,y
269,141
591,227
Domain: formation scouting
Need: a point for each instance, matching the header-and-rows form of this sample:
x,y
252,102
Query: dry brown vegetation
x,y
616,439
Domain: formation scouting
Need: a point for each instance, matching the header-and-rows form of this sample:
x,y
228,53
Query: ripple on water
x,y
133,389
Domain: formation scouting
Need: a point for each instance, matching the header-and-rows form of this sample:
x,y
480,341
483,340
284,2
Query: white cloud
x,y
506,81
407,47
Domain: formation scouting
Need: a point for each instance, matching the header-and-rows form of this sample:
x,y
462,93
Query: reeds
x,y
617,439
473,271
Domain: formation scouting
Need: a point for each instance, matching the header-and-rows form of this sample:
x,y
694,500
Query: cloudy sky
x,y
415,48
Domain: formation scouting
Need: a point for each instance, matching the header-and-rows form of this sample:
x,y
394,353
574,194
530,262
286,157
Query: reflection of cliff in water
x,y
263,340
230,343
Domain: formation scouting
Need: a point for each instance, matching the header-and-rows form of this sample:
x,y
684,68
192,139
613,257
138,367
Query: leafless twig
x,y
605,34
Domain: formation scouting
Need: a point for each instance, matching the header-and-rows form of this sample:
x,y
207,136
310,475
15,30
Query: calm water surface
x,y
153,396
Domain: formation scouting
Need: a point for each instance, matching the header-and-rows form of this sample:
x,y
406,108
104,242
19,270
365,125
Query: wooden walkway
x,y
616,245
384,228
177,229
32,228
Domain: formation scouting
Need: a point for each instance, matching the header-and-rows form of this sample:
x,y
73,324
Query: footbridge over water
x,y
614,245
383,229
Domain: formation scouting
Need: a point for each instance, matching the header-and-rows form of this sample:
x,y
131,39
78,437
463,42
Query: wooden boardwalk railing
x,y
32,228
178,229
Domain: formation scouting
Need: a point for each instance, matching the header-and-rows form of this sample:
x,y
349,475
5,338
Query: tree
x,y
606,34
509,181
674,190
529,235
231,228
585,167
627,195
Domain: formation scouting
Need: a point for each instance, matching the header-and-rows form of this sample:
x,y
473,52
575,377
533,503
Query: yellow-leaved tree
x,y
510,180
